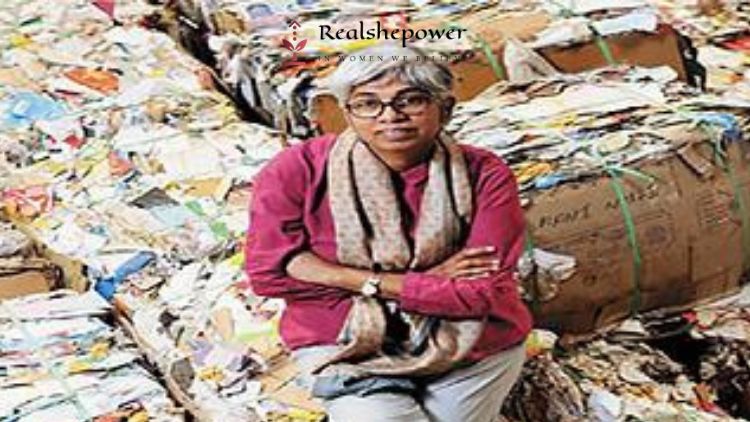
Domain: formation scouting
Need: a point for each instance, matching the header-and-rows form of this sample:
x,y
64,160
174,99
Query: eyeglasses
x,y
411,103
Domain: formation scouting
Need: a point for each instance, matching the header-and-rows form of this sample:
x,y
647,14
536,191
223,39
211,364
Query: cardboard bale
x,y
73,272
22,272
688,232
662,48
24,276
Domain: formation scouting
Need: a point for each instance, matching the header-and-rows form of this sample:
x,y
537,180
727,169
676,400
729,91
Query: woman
x,y
394,249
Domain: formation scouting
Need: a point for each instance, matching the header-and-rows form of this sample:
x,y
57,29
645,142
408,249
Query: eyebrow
x,y
374,94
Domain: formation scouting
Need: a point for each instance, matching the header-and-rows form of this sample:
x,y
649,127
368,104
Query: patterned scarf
x,y
369,231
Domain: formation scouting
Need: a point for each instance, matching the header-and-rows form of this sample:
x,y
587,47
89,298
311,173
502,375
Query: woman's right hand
x,y
468,263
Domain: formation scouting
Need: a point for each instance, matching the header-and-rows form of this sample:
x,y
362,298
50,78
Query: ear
x,y
350,123
347,117
447,108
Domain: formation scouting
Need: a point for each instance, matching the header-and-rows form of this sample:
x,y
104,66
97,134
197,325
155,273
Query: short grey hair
x,y
409,64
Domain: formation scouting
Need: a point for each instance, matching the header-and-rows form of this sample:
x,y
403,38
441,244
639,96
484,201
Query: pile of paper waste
x,y
117,152
61,361
691,366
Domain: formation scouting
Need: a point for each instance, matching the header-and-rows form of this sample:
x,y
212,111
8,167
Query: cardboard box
x,y
20,277
278,384
688,232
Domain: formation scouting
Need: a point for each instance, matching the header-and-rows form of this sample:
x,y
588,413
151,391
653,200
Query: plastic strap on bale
x,y
599,40
710,129
636,295
721,159
486,48
614,171
602,45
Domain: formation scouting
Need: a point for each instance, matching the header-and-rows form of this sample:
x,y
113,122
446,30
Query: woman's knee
x,y
381,407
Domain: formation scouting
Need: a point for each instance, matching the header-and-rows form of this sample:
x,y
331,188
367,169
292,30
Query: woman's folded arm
x,y
499,222
277,234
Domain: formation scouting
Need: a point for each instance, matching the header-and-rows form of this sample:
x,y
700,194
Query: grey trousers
x,y
470,394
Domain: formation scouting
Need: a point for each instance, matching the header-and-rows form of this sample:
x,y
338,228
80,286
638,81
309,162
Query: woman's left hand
x,y
468,263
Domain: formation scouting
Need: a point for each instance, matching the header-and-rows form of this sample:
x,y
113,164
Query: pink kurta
x,y
290,213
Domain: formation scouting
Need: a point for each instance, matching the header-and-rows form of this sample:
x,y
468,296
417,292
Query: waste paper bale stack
x,y
635,182
116,152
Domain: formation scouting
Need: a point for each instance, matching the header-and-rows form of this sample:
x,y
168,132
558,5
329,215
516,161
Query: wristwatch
x,y
371,286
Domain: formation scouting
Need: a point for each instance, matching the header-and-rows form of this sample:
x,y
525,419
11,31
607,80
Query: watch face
x,y
369,290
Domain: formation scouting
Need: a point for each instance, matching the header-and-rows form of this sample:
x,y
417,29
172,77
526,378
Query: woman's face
x,y
408,126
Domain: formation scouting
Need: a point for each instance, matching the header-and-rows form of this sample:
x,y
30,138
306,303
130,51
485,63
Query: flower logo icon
x,y
293,45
